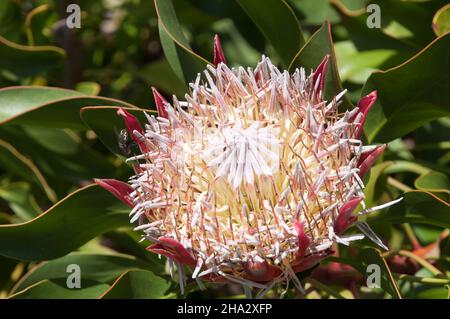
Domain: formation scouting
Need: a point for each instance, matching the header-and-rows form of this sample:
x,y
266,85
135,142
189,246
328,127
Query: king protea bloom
x,y
252,177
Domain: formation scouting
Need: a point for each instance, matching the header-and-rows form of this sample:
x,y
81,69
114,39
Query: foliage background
x,y
50,152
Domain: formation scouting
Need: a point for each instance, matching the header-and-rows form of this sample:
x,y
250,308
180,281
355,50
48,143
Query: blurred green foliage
x,y
49,152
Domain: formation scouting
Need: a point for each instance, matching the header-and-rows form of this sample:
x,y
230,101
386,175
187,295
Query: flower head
x,y
253,176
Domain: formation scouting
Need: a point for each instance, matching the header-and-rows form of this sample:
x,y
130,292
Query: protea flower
x,y
252,177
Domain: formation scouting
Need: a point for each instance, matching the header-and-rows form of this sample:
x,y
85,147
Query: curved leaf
x,y
416,207
101,268
185,62
271,17
411,94
22,61
20,199
137,284
309,57
81,216
18,163
433,182
372,256
441,20
375,173
35,105
62,157
57,289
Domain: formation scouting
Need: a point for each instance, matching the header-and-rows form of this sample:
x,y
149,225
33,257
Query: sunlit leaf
x,y
411,94
309,57
37,106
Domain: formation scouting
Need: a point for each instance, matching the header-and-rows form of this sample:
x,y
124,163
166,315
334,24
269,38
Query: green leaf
x,y
20,200
313,52
20,61
356,66
416,207
129,242
371,186
411,94
433,182
47,106
106,124
14,161
61,156
57,289
81,216
160,75
441,20
271,17
138,284
372,256
185,62
316,12
98,267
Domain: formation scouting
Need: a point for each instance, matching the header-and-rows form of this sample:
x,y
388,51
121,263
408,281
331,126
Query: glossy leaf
x,y
59,154
160,75
433,182
20,199
376,173
309,57
137,284
101,268
416,207
57,289
270,18
64,227
411,94
441,20
371,256
47,106
185,62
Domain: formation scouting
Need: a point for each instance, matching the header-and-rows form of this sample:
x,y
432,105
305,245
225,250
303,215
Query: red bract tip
x,y
366,160
160,102
364,106
219,57
303,240
174,250
345,217
132,125
321,71
119,189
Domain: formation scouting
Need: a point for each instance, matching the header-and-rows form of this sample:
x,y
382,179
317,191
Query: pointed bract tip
x,y
320,72
132,124
366,102
119,189
174,250
160,102
303,240
345,217
366,160
219,57
364,105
